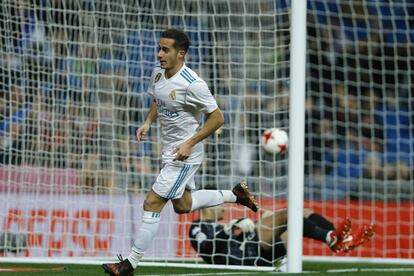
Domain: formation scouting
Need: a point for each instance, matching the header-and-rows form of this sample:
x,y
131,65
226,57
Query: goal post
x,y
296,135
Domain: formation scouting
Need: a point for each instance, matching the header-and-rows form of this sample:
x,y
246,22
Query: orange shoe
x,y
353,240
338,235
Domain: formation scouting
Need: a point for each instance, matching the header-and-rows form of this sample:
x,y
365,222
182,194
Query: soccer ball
x,y
275,140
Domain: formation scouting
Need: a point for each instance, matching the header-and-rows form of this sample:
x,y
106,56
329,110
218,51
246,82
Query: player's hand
x,y
141,132
228,227
246,225
182,152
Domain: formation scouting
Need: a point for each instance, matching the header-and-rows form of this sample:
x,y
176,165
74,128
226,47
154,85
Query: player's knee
x,y
151,204
284,238
307,212
181,209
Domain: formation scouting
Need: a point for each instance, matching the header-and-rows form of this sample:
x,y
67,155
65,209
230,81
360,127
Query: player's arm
x,y
201,239
244,225
214,121
151,117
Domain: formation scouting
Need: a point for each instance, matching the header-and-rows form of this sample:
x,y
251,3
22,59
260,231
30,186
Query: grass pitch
x,y
309,268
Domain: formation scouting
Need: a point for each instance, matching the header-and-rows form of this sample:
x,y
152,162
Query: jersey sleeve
x,y
150,89
206,238
200,97
201,239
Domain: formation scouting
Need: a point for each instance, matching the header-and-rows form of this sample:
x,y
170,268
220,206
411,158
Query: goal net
x,y
359,137
73,76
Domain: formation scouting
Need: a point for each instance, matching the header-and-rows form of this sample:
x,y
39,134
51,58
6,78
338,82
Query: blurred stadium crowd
x,y
360,87
73,73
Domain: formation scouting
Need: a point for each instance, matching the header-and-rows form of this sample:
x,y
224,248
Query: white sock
x,y
328,237
146,233
206,198
228,196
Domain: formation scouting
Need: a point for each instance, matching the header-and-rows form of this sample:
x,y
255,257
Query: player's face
x,y
169,57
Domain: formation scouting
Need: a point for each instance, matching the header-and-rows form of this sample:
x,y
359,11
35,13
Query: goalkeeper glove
x,y
246,225
228,227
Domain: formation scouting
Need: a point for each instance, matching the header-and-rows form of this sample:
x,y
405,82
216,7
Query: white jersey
x,y
181,102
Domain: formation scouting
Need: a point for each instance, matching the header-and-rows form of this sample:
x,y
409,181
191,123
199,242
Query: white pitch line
x,y
342,270
208,273
397,269
310,272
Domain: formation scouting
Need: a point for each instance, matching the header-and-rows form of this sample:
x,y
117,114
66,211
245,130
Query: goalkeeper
x,y
262,243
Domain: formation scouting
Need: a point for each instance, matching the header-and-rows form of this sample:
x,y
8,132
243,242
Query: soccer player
x,y
180,98
244,242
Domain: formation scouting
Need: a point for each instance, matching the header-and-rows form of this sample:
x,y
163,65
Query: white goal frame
x,y
296,136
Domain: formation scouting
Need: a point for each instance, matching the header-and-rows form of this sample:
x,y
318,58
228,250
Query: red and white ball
x,y
275,141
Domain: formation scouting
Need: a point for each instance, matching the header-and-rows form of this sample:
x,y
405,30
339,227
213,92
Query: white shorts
x,y
174,178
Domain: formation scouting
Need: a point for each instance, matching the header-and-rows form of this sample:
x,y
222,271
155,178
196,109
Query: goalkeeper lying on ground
x,y
262,243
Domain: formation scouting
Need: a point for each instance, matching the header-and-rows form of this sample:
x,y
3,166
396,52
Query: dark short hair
x,y
181,39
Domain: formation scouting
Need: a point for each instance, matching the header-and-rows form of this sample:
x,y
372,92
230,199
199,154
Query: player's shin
x,y
146,233
321,221
311,230
206,198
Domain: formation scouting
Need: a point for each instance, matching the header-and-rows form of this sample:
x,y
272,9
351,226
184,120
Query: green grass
x,y
315,268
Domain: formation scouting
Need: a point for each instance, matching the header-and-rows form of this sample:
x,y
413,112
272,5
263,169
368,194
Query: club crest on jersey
x,y
157,77
173,95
